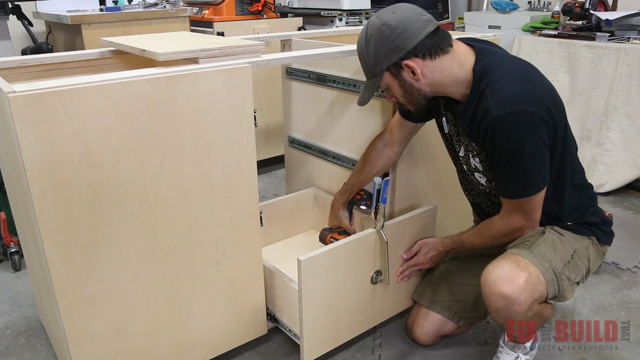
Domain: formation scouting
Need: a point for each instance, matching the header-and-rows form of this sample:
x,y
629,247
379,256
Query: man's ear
x,y
413,69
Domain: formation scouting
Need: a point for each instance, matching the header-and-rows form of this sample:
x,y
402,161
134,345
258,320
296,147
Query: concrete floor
x,y
610,294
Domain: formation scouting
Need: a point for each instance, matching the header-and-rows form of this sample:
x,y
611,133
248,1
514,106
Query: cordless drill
x,y
329,235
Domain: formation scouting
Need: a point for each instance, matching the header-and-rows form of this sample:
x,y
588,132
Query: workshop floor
x,y
610,294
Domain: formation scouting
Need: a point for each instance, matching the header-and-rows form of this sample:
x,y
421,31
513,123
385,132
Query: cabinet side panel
x,y
146,197
308,170
331,118
267,82
267,94
17,186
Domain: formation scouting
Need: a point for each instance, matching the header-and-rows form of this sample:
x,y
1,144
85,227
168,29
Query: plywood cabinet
x,y
127,206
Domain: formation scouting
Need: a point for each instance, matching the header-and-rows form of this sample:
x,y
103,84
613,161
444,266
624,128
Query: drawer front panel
x,y
337,299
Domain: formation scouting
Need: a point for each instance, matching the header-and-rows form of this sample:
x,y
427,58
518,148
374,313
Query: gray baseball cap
x,y
388,36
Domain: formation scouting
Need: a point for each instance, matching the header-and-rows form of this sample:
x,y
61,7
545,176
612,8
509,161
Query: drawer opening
x,y
290,228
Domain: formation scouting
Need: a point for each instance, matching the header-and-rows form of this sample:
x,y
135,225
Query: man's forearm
x,y
381,154
516,218
377,158
489,233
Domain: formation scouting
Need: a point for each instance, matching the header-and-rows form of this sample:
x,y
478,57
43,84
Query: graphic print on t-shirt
x,y
470,163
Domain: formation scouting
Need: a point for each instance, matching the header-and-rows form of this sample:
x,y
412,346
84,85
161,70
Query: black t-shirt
x,y
511,138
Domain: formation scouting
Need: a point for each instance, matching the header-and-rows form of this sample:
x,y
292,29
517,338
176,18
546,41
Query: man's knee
x,y
511,285
426,327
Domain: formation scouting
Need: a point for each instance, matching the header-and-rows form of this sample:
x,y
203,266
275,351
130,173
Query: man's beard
x,y
415,99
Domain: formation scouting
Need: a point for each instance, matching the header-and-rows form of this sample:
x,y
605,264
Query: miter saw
x,y
207,11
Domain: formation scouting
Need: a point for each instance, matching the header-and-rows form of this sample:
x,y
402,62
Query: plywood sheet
x,y
91,33
284,254
183,45
19,195
282,296
147,215
332,119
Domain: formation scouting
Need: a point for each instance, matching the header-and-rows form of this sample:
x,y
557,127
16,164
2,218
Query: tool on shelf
x,y
206,12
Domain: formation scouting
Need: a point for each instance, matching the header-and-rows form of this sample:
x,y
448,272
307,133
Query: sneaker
x,y
508,350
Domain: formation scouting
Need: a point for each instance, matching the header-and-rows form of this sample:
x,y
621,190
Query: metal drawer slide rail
x,y
271,316
333,81
323,153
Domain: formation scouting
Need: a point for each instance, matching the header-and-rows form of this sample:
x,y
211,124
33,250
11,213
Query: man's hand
x,y
424,254
338,216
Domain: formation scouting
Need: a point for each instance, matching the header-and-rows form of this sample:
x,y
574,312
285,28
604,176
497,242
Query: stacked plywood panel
x,y
185,45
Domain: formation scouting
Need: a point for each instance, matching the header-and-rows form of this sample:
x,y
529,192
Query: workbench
x,y
139,217
600,86
82,30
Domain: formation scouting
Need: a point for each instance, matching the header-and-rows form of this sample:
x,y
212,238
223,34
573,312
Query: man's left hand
x,y
424,254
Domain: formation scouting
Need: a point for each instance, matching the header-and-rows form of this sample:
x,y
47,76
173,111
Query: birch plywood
x,y
20,198
282,296
294,214
136,214
339,274
267,82
183,45
92,33
284,253
308,170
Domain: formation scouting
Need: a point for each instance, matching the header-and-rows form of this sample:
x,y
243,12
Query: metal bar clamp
x,y
379,217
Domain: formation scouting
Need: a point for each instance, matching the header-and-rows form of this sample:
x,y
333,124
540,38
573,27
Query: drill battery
x,y
329,235
361,200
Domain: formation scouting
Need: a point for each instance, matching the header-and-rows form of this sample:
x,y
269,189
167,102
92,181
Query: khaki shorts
x,y
452,288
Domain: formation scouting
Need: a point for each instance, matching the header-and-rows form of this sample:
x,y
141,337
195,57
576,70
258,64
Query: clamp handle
x,y
384,192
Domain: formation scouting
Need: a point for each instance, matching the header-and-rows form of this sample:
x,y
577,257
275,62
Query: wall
x,y
628,5
52,5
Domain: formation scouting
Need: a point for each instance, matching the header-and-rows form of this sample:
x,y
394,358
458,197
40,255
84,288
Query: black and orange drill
x,y
329,235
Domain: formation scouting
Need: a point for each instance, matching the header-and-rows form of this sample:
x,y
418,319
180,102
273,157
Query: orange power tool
x,y
329,235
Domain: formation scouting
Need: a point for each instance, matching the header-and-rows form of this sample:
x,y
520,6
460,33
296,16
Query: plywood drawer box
x,y
324,294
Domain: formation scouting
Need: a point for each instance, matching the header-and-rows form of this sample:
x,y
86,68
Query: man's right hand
x,y
338,216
